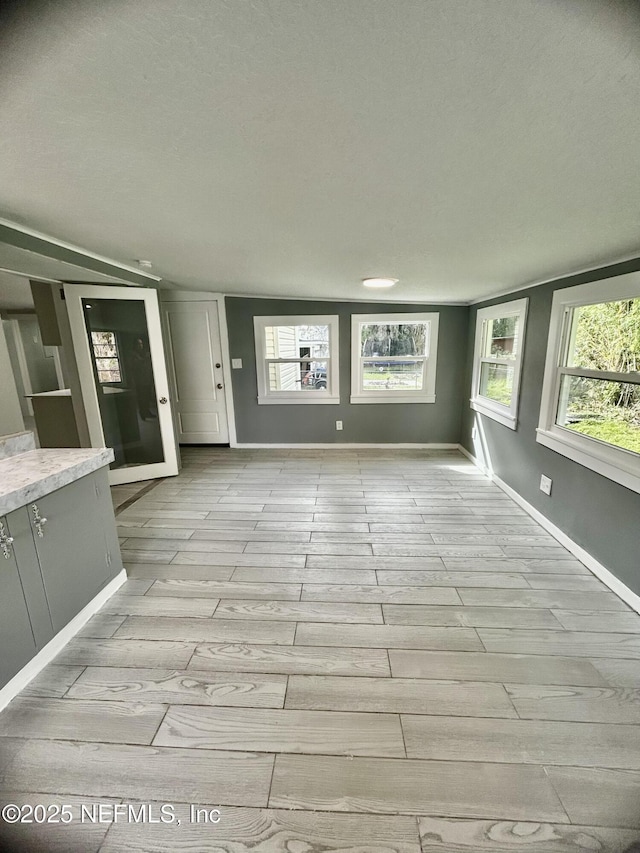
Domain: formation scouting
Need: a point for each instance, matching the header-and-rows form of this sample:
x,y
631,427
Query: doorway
x,y
196,370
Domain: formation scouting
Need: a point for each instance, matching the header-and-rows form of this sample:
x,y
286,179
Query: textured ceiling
x,y
292,147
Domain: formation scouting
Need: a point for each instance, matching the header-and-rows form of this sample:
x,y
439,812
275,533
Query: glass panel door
x,y
118,346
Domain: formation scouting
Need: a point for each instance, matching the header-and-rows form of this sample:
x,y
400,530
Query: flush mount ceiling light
x,y
379,282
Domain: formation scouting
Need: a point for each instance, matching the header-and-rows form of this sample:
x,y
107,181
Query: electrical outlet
x,y
338,424
236,363
545,484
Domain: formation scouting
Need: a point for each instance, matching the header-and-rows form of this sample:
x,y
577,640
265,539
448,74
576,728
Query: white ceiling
x,y
292,147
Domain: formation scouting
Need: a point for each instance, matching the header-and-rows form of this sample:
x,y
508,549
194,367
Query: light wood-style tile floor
x,y
341,651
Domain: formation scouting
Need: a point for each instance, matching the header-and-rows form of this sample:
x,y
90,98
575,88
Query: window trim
x,y
310,396
617,464
428,392
505,415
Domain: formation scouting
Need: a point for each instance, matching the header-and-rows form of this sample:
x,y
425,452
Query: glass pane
x,y
608,411
301,376
105,350
394,339
297,341
103,338
501,337
108,364
392,375
108,376
496,382
119,339
606,336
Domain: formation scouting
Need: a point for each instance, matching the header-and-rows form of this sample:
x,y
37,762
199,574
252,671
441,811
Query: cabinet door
x,y
73,553
105,508
26,556
17,643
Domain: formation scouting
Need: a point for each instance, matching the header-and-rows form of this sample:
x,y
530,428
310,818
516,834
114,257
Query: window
x,y
497,361
591,394
297,359
106,357
393,358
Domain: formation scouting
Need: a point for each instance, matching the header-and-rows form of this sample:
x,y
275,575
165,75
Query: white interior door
x,y
196,371
117,341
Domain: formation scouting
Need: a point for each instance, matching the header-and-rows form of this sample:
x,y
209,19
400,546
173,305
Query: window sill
x,y
502,417
393,398
317,400
620,466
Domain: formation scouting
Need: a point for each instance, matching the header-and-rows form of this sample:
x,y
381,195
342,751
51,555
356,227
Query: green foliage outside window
x,y
606,338
394,339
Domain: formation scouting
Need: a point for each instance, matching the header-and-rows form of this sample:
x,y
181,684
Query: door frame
x,y
73,294
167,296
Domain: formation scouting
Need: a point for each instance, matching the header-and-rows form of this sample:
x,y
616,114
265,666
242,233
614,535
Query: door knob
x,y
219,385
163,400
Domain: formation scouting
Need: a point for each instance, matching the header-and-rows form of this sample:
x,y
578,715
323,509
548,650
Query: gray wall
x,y
437,422
10,414
595,512
15,367
40,363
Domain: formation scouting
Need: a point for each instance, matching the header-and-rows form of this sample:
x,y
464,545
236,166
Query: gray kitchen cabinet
x,y
17,642
59,552
74,553
24,554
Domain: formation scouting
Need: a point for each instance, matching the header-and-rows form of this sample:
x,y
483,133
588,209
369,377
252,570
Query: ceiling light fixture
x,y
379,282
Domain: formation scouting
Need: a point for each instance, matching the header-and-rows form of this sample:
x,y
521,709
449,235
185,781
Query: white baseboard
x,y
57,643
475,461
601,572
345,446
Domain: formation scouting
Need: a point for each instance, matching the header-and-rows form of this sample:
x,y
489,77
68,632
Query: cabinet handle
x,y
5,542
38,520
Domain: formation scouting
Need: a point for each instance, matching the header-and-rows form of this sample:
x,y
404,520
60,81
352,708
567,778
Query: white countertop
x,y
28,476
60,392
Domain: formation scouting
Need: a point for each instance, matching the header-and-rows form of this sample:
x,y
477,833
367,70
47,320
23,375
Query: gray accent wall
x,y
601,516
10,413
383,423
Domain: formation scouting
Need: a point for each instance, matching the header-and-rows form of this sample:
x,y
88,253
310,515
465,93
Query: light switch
x,y
236,363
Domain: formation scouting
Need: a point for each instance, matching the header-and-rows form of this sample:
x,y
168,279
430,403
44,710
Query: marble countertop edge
x,y
16,443
29,476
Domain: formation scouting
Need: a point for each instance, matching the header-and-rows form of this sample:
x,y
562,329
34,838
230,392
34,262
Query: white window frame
x,y
615,463
428,392
505,415
312,396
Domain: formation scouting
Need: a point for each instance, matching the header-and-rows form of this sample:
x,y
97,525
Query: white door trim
x,y
203,296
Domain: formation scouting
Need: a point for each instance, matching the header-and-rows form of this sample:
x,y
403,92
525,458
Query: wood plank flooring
x,y
339,651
